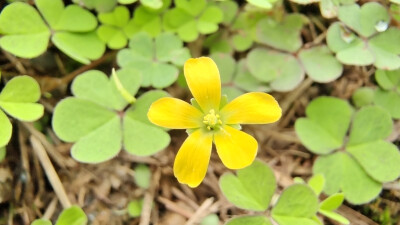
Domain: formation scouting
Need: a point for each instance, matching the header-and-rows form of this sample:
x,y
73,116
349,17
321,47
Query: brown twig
x,y
50,172
200,211
149,198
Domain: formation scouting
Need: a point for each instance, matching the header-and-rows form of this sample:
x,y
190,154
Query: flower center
x,y
212,120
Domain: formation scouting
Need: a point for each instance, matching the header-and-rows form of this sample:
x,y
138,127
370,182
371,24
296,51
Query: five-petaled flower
x,y
211,120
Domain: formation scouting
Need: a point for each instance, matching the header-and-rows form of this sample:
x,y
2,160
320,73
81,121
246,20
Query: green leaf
x,y
18,99
244,80
87,85
363,96
114,37
137,128
371,123
95,129
339,37
3,153
364,20
76,19
211,219
317,183
242,41
333,202
326,126
389,100
283,35
155,67
342,172
252,188
51,10
253,220
72,216
119,17
388,79
142,176
339,218
380,159
82,47
266,4
209,20
386,49
126,2
135,208
357,54
144,20
297,203
25,33
320,64
226,65
283,71
229,9
41,222
194,7
5,129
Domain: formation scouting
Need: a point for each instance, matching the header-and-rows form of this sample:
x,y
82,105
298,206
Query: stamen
x,y
212,120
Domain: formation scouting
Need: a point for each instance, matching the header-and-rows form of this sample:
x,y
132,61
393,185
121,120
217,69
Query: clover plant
x,y
135,208
328,8
253,187
286,69
71,29
238,32
18,99
98,120
192,17
157,59
235,77
363,37
388,95
356,164
70,216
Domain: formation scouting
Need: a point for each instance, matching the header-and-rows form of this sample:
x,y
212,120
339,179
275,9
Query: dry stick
x,y
18,65
50,172
197,215
149,197
174,207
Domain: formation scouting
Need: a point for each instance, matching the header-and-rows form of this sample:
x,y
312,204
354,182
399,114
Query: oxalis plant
x,y
71,29
254,186
103,117
288,66
355,162
363,37
387,95
18,99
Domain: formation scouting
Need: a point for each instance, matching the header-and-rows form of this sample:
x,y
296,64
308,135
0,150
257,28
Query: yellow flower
x,y
210,121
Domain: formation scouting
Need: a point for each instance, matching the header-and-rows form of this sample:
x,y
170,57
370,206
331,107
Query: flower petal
x,y
202,77
174,113
252,108
191,162
235,148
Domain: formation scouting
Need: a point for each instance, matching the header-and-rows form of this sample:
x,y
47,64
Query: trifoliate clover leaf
x,y
355,169
94,119
298,204
252,188
283,72
378,44
388,96
254,220
284,35
26,35
155,59
364,20
229,9
191,18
